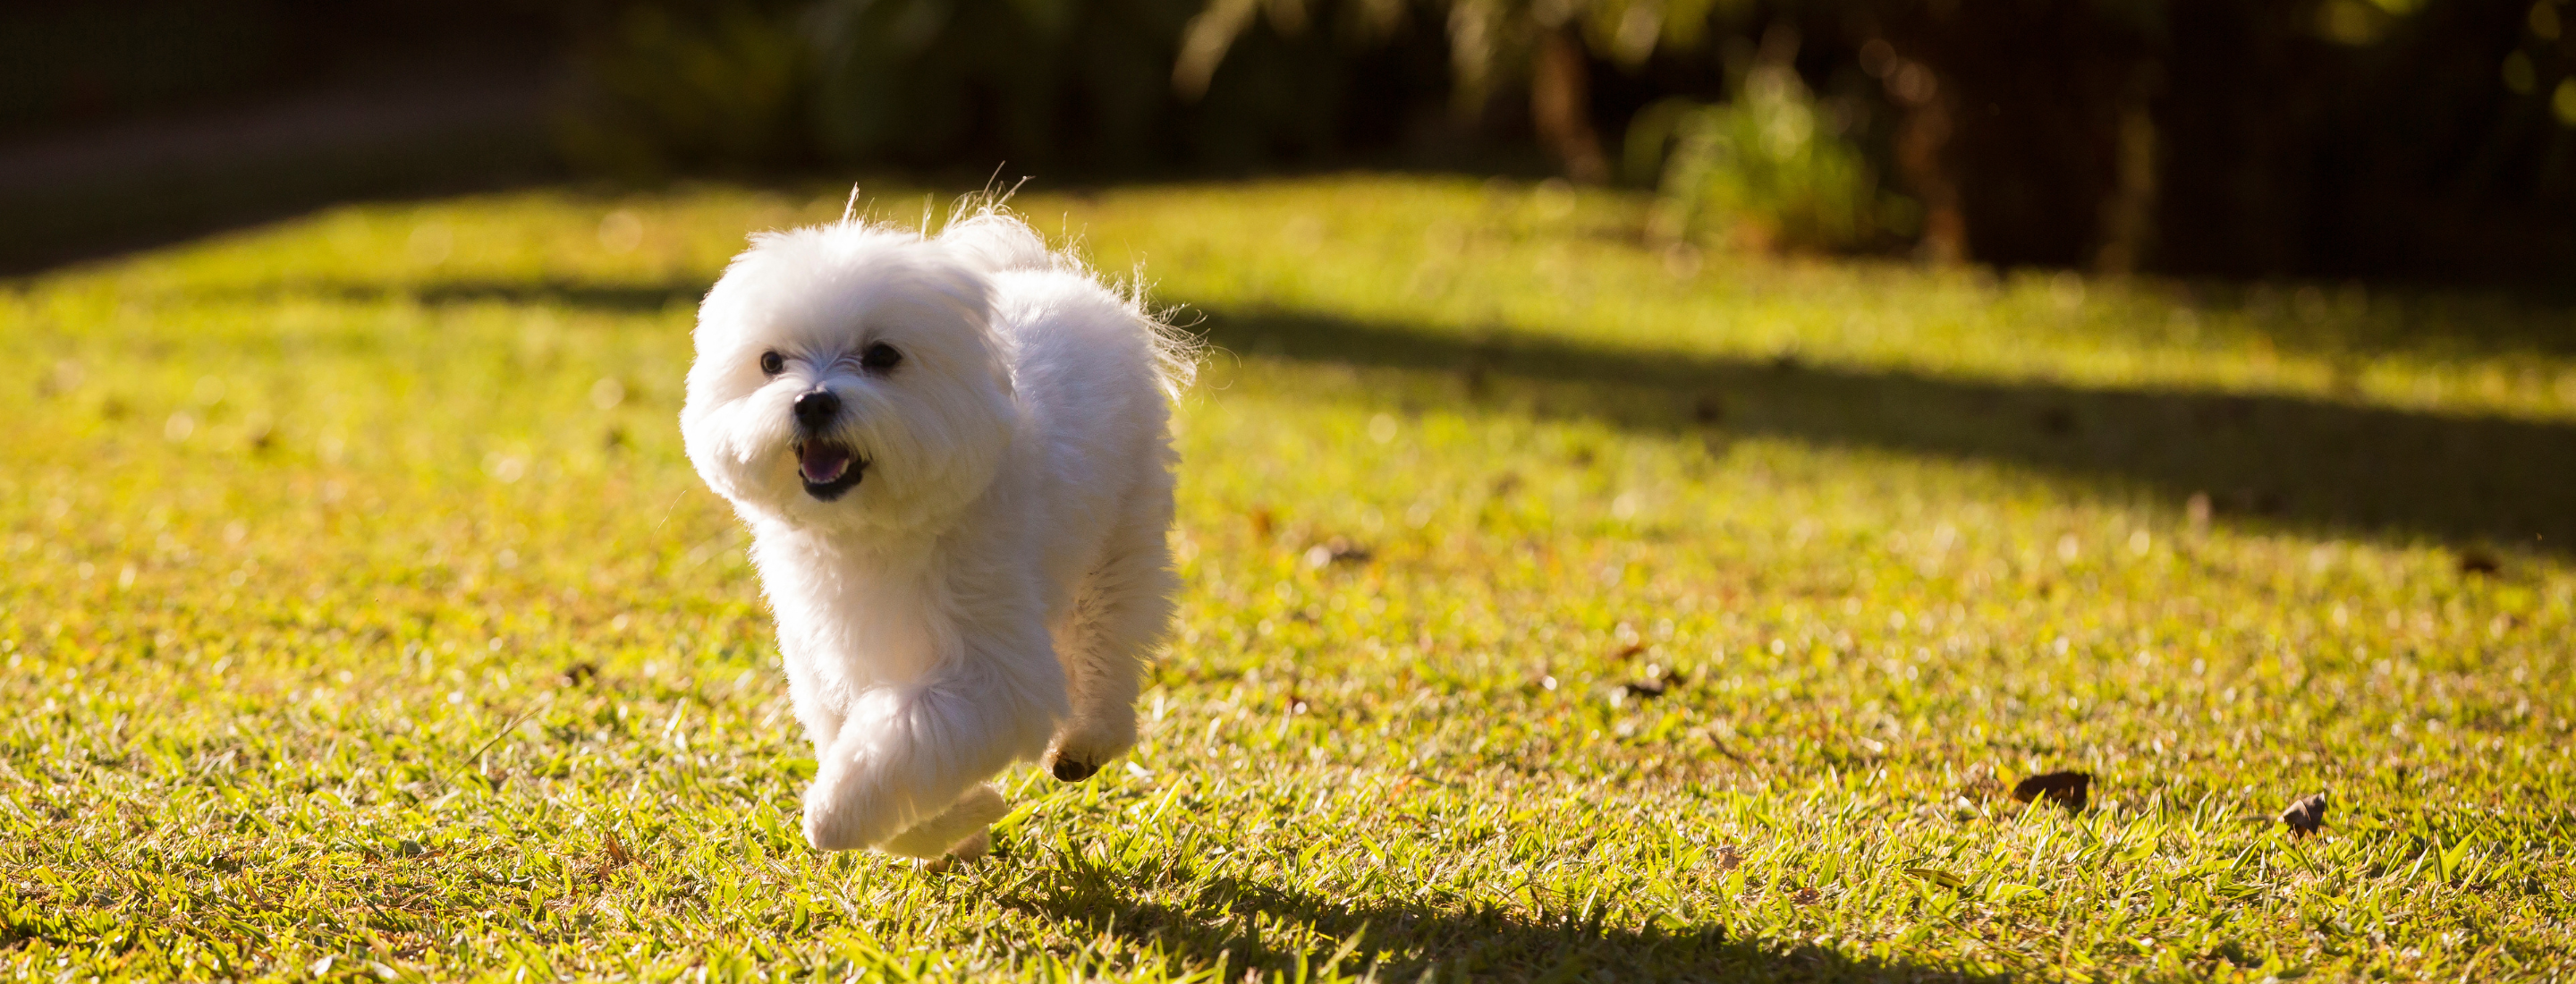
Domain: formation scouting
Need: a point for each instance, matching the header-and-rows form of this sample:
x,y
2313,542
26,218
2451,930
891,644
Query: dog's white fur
x,y
991,587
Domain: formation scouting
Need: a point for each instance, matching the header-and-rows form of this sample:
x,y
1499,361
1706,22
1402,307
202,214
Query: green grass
x,y
362,619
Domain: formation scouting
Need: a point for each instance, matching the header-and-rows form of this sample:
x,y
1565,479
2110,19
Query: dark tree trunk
x,y
2236,184
2035,93
1561,106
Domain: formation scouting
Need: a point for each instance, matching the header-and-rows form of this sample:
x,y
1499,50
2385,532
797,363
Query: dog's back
x,y
1090,366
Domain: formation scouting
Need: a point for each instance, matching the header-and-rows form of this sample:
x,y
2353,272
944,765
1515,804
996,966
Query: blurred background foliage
x,y
2410,139
1771,167
1058,86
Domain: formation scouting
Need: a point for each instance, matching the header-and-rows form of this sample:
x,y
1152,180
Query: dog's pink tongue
x,y
824,463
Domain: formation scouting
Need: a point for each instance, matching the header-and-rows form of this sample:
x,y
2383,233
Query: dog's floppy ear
x,y
997,243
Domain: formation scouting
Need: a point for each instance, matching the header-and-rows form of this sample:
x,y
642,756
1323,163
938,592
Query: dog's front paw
x,y
844,814
831,825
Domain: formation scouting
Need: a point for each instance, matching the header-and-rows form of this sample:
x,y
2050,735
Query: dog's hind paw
x,y
1084,746
1069,770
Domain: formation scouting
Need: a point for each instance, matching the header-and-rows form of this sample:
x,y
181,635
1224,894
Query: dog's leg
x,y
822,721
906,755
1117,620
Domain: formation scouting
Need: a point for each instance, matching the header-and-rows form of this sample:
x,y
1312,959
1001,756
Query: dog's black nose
x,y
817,408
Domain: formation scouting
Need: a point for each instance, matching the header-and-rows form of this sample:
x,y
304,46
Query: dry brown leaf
x,y
2306,815
2067,789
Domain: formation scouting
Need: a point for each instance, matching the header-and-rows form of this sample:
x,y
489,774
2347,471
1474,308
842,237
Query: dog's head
x,y
848,377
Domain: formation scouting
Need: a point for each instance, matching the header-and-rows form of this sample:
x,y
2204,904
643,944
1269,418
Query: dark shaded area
x,y
2335,468
2429,142
2399,149
70,66
131,123
1567,941
1088,88
441,131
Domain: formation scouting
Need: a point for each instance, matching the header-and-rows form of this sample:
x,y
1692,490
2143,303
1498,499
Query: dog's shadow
x,y
1252,928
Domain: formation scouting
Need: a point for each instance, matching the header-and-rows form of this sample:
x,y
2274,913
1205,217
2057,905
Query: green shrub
x,y
1766,169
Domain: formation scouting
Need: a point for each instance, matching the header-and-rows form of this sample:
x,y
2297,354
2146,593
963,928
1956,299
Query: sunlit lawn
x,y
1558,607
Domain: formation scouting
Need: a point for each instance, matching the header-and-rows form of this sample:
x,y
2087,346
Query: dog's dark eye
x,y
880,357
770,363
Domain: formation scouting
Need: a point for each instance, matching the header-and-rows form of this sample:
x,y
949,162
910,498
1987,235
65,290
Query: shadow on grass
x,y
1236,921
605,298
2343,469
616,298
2311,464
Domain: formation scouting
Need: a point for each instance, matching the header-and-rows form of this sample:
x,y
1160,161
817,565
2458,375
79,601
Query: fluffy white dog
x,y
953,452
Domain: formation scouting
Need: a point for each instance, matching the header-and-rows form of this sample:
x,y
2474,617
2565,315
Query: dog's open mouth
x,y
828,469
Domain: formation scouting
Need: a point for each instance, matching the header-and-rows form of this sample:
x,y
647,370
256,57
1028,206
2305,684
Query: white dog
x,y
953,452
